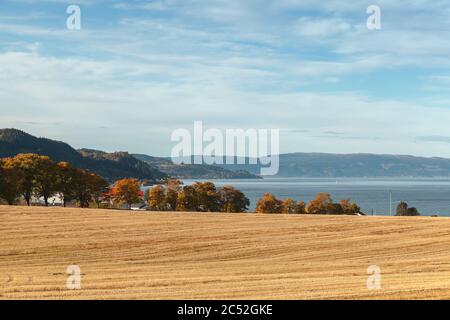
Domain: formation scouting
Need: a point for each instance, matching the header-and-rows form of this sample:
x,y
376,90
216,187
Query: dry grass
x,y
219,256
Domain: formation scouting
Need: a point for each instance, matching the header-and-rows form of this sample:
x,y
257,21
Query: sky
x,y
138,70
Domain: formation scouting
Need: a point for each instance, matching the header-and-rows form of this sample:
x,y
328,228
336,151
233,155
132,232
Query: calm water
x,y
429,196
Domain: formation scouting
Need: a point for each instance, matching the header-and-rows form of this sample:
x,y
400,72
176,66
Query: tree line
x,y
404,210
321,204
31,175
204,196
200,197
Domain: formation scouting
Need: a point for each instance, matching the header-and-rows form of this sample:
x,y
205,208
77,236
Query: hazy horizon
x,y
287,153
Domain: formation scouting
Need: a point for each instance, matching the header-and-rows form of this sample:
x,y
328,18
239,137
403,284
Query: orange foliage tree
x,y
291,206
187,199
10,182
157,198
349,208
320,205
26,164
268,203
127,191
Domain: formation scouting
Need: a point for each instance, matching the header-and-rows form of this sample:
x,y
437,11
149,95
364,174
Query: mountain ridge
x,y
112,166
193,171
123,165
302,164
298,164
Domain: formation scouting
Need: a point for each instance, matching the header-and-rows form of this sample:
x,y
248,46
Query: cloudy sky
x,y
137,70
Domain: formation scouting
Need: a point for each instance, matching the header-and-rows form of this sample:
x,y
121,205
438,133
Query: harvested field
x,y
147,255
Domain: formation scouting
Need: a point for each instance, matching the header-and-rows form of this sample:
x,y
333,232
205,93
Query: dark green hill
x,y
112,166
13,141
124,164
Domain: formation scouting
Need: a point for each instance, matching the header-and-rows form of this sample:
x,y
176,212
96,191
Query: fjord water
x,y
431,196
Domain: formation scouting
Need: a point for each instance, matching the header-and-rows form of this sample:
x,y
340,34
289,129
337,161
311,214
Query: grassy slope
x,y
189,256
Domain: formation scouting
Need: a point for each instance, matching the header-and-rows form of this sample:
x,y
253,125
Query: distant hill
x,y
354,165
126,164
118,165
112,166
193,171
13,142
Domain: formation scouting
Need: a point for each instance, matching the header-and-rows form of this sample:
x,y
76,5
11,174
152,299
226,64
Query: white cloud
x,y
124,84
308,27
96,107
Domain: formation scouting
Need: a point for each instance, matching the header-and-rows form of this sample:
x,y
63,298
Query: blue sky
x,y
137,70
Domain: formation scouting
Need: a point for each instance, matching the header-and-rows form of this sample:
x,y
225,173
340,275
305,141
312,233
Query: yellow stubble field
x,y
148,255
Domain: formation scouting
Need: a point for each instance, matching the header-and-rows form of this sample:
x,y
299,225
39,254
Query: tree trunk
x,y
27,197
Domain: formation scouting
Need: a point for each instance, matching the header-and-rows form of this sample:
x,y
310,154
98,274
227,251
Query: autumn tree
x,y
65,176
300,208
1,177
187,199
87,186
349,208
233,200
289,206
10,182
164,197
127,191
404,210
45,178
268,203
80,187
157,198
412,211
173,187
2,183
98,187
320,205
207,197
335,208
26,163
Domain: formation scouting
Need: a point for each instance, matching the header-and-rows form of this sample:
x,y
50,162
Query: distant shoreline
x,y
431,196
